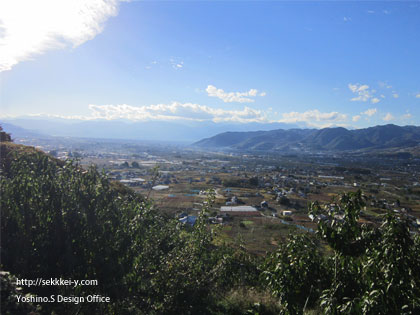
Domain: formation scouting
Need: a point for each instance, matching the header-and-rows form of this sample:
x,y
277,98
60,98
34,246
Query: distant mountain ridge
x,y
182,131
17,131
327,139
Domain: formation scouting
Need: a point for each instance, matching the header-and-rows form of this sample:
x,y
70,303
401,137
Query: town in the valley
x,y
259,198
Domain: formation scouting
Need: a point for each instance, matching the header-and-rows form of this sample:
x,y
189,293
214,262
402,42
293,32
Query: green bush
x,y
58,220
371,270
296,273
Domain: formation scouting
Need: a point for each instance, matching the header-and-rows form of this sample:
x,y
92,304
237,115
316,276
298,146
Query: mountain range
x,y
169,131
229,136
327,139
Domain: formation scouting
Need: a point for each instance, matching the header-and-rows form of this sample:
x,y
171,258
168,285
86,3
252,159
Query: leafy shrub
x,y
295,273
372,270
58,220
9,291
375,270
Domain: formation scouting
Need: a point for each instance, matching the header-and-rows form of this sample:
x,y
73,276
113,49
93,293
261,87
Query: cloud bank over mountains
x,y
177,111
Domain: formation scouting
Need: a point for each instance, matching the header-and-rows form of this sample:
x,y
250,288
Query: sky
x,y
314,63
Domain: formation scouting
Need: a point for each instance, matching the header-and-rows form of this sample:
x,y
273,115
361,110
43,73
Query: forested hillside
x,y
328,139
61,221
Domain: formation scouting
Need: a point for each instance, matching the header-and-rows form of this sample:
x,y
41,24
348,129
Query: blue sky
x,y
315,63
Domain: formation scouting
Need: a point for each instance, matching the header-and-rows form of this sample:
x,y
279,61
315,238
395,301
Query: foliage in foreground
x,y
9,305
372,270
296,273
60,221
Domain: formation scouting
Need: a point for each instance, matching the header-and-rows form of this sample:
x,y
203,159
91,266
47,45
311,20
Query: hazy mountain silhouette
x,y
182,131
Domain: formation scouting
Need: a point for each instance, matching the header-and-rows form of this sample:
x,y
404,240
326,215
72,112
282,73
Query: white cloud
x,y
357,87
252,92
346,19
407,116
388,117
29,28
230,97
365,94
362,92
151,65
195,112
356,118
370,112
418,95
314,118
175,111
384,85
176,64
